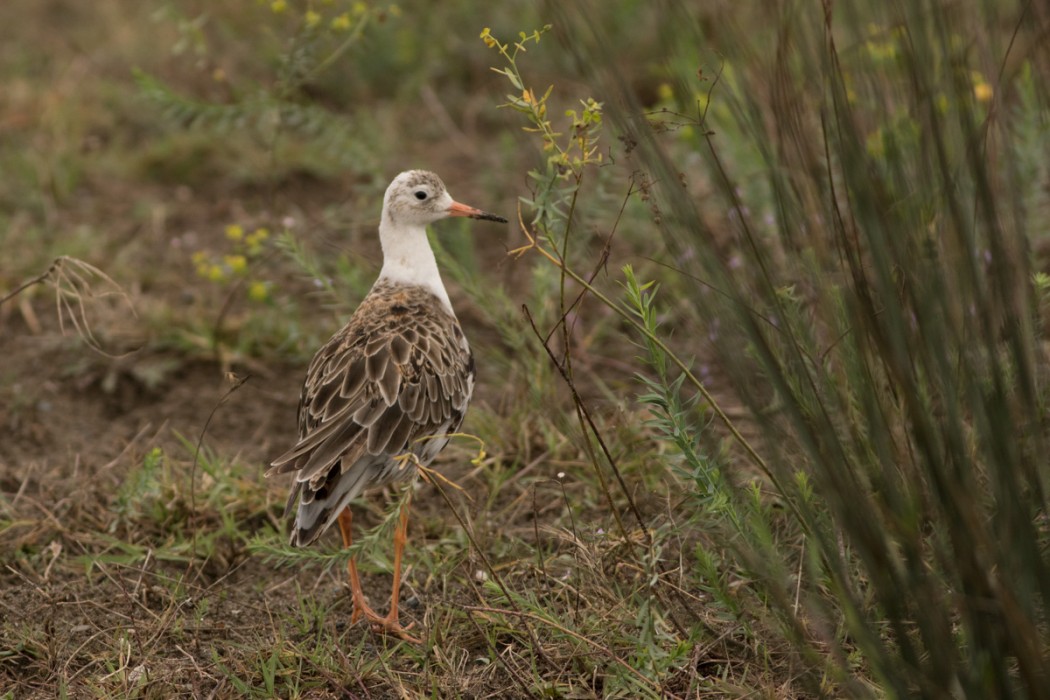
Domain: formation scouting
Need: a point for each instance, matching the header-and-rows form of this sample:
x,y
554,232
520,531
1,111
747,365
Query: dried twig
x,y
72,279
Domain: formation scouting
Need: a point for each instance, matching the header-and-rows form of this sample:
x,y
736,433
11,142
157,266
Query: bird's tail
x,y
319,507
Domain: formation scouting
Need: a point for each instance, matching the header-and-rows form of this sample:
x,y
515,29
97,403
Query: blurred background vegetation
x,y
762,358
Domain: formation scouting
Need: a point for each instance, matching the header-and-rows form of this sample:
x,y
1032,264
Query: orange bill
x,y
457,209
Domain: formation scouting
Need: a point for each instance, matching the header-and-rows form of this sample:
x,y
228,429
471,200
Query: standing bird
x,y
392,384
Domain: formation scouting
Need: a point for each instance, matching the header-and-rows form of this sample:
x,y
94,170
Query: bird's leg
x,y
390,623
357,595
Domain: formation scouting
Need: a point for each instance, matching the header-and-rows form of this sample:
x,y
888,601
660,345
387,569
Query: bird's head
x,y
419,197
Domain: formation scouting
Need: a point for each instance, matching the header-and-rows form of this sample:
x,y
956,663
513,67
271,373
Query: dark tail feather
x,y
302,536
319,508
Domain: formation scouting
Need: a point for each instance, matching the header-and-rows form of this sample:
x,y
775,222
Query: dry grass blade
x,y
76,282
647,682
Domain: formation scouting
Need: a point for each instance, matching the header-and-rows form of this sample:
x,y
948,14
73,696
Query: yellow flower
x,y
312,18
981,89
255,239
215,273
529,98
486,36
359,9
234,232
278,6
257,291
341,23
665,92
236,263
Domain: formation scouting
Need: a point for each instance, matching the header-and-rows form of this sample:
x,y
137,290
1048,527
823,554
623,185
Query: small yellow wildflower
x,y
255,240
486,36
529,98
236,263
665,92
981,89
312,18
215,273
257,291
359,9
278,6
235,232
341,23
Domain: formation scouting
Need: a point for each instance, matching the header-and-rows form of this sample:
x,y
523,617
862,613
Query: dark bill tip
x,y
485,216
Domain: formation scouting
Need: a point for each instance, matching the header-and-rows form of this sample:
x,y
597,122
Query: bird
x,y
386,392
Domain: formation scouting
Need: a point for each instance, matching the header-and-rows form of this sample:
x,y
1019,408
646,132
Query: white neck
x,y
409,259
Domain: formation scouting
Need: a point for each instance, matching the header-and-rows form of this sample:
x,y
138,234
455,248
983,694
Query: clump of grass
x,y
882,335
77,285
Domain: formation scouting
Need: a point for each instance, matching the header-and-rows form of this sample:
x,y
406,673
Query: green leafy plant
x,y
884,417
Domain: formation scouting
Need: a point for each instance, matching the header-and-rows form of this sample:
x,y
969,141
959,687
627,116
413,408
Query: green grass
x,y
762,377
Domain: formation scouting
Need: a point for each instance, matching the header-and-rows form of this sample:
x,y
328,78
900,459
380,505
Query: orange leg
x,y
356,593
389,624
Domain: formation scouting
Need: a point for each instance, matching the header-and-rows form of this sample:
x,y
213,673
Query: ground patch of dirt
x,y
55,411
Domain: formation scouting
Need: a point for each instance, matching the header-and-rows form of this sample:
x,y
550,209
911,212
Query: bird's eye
x,y
421,195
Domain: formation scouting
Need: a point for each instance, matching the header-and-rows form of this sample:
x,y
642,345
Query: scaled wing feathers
x,y
400,370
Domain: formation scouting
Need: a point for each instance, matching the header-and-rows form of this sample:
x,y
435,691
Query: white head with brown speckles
x,y
414,199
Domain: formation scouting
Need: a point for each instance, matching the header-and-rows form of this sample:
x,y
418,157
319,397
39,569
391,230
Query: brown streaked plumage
x,y
393,381
399,371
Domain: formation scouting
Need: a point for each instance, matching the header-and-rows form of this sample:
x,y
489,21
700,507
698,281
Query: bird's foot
x,y
361,608
390,625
